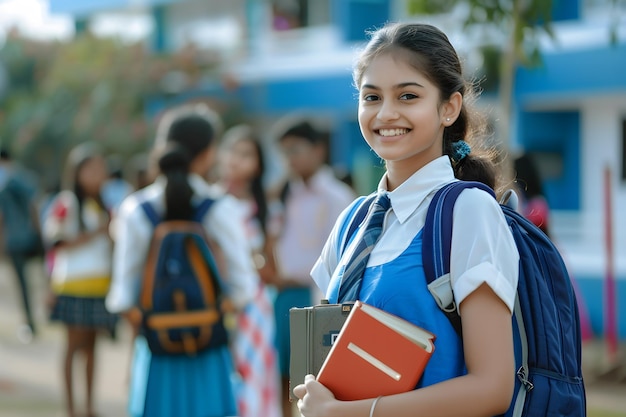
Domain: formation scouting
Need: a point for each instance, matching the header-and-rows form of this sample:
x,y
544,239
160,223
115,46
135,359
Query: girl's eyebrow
x,y
395,87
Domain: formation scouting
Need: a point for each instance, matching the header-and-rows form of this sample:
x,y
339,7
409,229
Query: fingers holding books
x,y
314,399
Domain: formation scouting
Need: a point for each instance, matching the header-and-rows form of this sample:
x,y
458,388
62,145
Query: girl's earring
x,y
447,119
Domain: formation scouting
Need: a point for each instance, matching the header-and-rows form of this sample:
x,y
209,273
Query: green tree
x,y
88,89
521,24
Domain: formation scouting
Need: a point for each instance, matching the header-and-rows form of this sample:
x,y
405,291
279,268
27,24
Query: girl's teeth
x,y
392,132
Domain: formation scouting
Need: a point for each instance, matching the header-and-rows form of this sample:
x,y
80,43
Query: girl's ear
x,y
451,109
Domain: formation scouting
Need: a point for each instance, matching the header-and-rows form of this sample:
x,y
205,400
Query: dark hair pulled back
x,y
183,134
429,51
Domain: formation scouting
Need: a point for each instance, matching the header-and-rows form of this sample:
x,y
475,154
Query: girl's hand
x,y
315,399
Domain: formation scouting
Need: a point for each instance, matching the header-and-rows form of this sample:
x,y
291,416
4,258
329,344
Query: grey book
x,y
312,332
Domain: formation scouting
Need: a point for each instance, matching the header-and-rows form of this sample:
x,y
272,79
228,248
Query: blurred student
x,y
181,385
116,188
311,200
76,227
533,204
241,173
19,228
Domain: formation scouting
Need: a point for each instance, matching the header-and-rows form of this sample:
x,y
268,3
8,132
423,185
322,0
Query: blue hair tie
x,y
460,149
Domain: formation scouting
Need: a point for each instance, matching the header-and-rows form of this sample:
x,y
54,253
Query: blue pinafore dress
x,y
399,287
167,386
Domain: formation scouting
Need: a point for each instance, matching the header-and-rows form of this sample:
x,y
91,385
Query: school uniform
x,y
253,344
483,251
308,216
163,386
79,275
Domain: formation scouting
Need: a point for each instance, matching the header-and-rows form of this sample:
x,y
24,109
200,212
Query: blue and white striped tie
x,y
355,267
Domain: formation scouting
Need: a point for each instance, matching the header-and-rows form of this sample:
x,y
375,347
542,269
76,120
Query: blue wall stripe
x,y
583,72
592,292
85,8
558,133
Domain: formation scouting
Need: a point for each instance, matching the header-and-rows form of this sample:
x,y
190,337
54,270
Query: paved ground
x,y
30,374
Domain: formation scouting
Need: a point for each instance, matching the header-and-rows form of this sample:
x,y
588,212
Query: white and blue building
x,y
569,112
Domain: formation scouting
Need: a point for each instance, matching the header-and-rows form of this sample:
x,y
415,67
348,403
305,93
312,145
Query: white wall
x,y
582,236
209,24
601,147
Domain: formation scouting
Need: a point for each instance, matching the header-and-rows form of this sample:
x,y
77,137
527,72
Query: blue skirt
x,y
285,300
166,386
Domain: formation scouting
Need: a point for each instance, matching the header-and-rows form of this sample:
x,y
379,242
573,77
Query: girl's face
x,y
400,113
239,162
92,174
304,158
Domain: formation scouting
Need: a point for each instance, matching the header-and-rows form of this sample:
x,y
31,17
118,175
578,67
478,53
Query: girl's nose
x,y
387,111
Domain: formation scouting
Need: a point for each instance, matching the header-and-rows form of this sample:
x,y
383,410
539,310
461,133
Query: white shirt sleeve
x,y
132,231
483,249
61,222
225,224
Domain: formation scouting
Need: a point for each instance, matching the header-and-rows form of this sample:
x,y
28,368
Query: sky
x,y
33,19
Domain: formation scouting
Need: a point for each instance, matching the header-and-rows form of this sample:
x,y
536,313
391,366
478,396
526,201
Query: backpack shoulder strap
x,y
437,244
202,209
356,218
151,213
199,212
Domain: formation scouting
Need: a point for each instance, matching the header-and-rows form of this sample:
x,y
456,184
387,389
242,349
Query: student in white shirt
x,y
76,229
241,171
414,113
311,200
190,386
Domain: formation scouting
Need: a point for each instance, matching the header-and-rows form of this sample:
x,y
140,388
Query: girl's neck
x,y
91,195
400,171
238,188
396,175
307,177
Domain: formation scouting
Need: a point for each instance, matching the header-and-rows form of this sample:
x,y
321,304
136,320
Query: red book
x,y
376,353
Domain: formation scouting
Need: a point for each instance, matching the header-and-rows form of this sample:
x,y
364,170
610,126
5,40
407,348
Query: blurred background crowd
x,y
278,74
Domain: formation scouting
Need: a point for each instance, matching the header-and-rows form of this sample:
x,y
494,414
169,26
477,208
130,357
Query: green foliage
x,y
489,73
522,20
421,7
615,19
602,413
89,89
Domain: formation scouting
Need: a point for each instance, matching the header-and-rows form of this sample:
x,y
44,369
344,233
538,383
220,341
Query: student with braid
x,y
414,113
199,385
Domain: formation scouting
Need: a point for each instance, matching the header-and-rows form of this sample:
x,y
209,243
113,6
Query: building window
x,y
293,14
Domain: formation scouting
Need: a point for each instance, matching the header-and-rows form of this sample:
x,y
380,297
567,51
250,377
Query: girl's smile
x,y
401,114
391,132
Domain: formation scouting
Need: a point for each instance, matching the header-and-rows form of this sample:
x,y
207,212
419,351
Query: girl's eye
x,y
370,97
408,96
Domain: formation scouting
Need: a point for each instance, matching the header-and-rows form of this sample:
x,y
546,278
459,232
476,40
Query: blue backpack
x,y
181,292
546,323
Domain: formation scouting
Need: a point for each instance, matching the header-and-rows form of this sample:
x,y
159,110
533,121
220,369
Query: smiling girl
x,y
414,113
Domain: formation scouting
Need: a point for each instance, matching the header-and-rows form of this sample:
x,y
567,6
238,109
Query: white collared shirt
x,y
223,223
483,249
308,218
